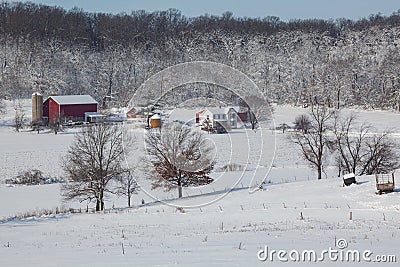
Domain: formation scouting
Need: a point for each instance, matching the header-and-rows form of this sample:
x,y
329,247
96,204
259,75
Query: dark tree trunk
x,y
338,99
179,191
319,172
180,186
102,200
97,205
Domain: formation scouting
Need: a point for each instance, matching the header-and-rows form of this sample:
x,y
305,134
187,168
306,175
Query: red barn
x,y
68,107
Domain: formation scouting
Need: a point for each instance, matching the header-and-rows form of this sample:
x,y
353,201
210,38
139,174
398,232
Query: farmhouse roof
x,y
201,111
220,110
73,99
132,110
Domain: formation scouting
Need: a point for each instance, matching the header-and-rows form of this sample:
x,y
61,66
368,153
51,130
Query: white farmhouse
x,y
226,117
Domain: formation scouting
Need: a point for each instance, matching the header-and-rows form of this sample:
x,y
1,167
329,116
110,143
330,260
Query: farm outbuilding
x,y
37,108
155,121
68,107
132,113
94,117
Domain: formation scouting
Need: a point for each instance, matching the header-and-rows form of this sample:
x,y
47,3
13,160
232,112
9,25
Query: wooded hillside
x,y
54,51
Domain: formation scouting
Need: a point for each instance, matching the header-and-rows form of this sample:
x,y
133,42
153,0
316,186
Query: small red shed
x,y
244,116
198,114
68,107
131,113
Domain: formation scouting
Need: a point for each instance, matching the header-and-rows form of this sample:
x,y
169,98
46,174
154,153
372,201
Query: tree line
x,y
97,30
55,51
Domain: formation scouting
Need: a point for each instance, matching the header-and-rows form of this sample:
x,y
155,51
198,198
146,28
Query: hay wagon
x,y
384,183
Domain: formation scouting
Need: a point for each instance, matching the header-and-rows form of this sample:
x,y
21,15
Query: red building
x,y
198,114
131,113
68,107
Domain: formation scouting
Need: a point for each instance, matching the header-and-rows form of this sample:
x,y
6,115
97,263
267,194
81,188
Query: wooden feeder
x,y
349,179
384,183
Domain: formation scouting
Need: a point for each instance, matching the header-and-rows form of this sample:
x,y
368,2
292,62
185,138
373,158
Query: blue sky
x,y
285,9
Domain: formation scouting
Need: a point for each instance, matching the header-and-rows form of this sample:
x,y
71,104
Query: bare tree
x,y
126,186
178,156
19,118
55,125
314,143
93,160
381,156
349,143
302,123
361,150
258,110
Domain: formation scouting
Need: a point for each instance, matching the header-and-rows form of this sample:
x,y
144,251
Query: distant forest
x,y
342,62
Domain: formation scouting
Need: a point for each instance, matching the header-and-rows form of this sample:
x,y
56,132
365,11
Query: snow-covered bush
x,y
33,177
2,107
231,167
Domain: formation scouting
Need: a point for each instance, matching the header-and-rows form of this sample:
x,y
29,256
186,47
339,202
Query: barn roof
x,y
73,99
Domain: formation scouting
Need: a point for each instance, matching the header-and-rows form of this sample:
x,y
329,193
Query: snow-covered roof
x,y
92,113
201,111
349,175
220,110
73,99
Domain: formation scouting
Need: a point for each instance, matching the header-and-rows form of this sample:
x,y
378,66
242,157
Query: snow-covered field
x,y
227,233
294,211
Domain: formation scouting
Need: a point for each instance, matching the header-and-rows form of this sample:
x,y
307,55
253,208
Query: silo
x,y
155,121
37,108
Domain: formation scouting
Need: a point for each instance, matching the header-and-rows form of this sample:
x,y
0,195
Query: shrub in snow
x,y
180,209
231,167
33,177
2,107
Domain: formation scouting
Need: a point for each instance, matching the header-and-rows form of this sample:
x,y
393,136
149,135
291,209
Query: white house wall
x,y
227,120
